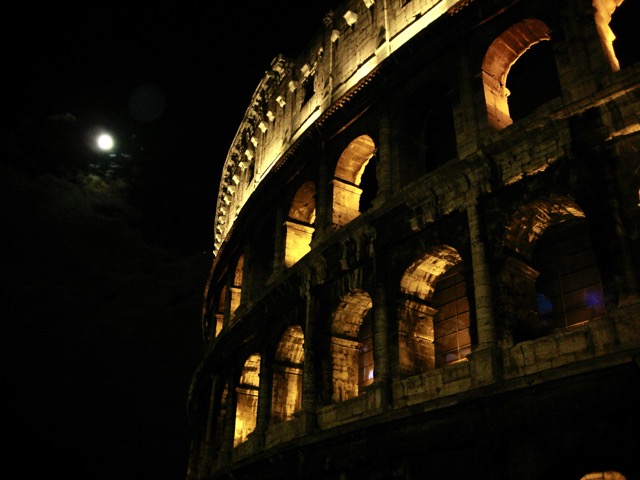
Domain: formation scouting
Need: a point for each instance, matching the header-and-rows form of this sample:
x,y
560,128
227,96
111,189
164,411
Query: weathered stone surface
x,y
420,311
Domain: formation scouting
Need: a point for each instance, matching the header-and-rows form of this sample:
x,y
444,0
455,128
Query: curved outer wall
x,y
336,60
427,251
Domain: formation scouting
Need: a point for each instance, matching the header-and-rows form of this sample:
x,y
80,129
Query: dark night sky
x,y
104,258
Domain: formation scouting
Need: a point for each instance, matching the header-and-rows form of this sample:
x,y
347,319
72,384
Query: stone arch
x,y
551,270
433,312
351,346
236,288
532,219
503,52
610,475
348,175
299,223
287,374
247,403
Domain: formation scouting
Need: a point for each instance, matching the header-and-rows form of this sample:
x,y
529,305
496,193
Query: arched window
x,y
501,55
301,218
347,191
351,346
247,404
553,271
287,374
568,287
532,80
451,321
434,316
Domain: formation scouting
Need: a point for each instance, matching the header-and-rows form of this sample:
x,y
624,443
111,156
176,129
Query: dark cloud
x,y
103,329
104,256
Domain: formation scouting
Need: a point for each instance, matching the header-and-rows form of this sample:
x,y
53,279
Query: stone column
x,y
207,447
383,172
484,361
226,312
381,347
264,399
309,389
324,200
628,282
464,114
279,243
248,277
193,466
481,280
229,422
627,278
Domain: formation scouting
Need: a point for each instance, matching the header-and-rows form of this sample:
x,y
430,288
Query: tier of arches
x,y
520,71
353,184
546,274
524,66
551,279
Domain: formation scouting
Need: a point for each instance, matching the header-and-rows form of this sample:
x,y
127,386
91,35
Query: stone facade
x,y
427,251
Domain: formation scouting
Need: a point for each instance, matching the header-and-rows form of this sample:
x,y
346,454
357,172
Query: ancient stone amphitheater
x,y
427,251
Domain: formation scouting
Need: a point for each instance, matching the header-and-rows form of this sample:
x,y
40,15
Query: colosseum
x,y
426,254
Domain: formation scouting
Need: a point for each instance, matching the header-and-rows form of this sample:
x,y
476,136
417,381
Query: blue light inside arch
x,y
543,304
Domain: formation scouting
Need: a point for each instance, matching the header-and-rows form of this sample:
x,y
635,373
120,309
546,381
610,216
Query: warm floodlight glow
x,y
105,142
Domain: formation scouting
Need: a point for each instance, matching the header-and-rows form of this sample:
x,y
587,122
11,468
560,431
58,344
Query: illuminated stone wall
x,y
433,271
354,42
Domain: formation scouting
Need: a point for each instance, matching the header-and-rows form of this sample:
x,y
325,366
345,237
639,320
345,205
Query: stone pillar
x,y
464,114
248,283
229,421
484,360
263,413
481,281
226,312
279,243
324,200
627,280
585,55
381,347
309,375
383,172
193,466
207,447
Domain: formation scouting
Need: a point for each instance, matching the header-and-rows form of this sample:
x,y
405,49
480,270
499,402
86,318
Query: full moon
x,y
104,142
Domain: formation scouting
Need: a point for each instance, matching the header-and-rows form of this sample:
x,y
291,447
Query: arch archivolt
x,y
247,399
347,178
503,52
347,345
300,223
432,311
287,374
550,276
530,221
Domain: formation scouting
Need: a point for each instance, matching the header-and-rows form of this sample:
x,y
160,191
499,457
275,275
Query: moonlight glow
x,y
104,141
